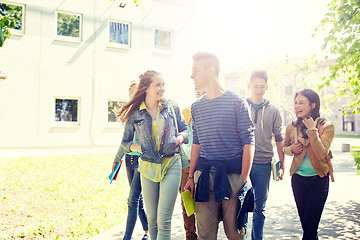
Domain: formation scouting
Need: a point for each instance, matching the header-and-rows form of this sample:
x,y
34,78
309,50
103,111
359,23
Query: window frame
x,y
16,31
119,45
66,38
349,118
113,124
164,51
67,123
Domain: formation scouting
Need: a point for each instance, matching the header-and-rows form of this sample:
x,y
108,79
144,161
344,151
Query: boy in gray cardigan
x,y
267,121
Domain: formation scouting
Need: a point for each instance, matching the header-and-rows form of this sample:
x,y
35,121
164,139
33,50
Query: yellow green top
x,y
155,171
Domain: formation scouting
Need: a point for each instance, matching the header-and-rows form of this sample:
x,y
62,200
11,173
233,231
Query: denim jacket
x,y
140,121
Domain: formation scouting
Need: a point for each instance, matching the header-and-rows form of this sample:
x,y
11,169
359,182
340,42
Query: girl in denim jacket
x,y
150,116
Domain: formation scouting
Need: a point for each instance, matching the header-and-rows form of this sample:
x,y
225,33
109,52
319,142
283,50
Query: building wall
x,y
40,68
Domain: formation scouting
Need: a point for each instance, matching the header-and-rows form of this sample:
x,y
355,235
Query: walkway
x,y
341,217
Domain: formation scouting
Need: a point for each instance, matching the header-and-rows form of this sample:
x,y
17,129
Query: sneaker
x,y
145,237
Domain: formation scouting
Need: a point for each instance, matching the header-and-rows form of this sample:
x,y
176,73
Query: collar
x,y
142,106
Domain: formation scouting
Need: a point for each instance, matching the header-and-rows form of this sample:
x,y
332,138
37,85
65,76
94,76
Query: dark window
x,y
348,121
66,110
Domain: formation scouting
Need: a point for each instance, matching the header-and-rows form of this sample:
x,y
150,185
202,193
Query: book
x,y
113,175
189,202
275,169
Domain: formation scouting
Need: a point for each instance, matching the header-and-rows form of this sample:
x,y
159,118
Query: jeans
x,y
310,195
260,179
159,199
135,201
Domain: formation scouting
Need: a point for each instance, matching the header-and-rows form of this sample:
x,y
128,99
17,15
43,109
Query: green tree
x,y
10,18
68,25
343,41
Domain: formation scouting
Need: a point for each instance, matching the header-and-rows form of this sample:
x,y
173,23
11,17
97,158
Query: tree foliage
x,y
343,41
10,18
68,25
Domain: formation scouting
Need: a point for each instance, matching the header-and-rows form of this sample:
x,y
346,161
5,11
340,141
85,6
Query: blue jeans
x,y
260,179
159,199
310,195
135,201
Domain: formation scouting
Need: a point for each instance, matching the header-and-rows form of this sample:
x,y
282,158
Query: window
x,y
348,121
67,110
16,16
162,40
113,106
119,34
68,26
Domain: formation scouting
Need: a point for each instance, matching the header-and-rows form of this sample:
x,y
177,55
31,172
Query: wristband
x,y
190,177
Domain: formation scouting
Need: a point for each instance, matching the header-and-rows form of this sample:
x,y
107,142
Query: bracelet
x,y
190,177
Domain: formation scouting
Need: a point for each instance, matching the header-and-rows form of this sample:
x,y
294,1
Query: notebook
x,y
189,202
275,168
113,175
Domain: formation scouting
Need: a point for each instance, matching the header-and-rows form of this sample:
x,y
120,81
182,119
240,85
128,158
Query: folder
x,y
189,202
113,175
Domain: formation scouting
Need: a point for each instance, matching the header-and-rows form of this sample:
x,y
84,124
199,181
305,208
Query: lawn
x,y
355,151
60,197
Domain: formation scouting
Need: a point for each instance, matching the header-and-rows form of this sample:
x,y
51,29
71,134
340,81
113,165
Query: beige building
x,y
68,63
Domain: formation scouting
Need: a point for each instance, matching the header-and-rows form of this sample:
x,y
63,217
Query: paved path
x,y
341,217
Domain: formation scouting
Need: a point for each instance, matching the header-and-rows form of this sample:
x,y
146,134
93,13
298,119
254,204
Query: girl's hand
x,y
296,148
309,123
179,140
136,148
113,166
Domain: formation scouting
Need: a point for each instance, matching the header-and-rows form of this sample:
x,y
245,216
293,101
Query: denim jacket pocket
x,y
139,121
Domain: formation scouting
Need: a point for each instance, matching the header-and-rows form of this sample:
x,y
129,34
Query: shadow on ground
x,y
339,221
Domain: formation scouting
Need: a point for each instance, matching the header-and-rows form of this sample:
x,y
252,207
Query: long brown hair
x,y
139,96
312,97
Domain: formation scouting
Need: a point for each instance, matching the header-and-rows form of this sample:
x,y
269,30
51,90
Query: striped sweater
x,y
222,126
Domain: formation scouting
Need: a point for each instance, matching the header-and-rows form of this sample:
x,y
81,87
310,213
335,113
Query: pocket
x,y
139,121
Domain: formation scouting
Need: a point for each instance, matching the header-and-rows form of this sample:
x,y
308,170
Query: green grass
x,y
355,151
347,136
60,197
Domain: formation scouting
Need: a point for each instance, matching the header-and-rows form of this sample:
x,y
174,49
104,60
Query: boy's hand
x,y
113,166
190,185
281,173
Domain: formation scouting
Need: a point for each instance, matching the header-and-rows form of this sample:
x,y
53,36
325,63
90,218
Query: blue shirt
x,y
222,126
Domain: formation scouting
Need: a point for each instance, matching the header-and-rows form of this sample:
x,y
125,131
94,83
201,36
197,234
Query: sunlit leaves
x,y
343,41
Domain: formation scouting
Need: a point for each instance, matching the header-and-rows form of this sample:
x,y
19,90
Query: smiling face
x,y
200,74
156,88
257,87
303,107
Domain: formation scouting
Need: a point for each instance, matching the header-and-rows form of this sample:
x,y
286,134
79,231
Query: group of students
x,y
231,141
